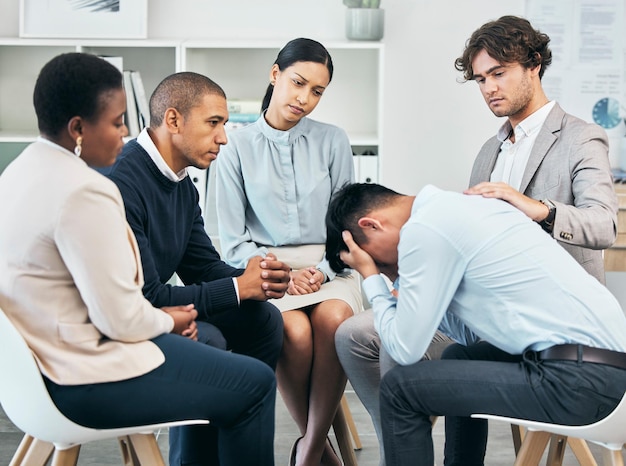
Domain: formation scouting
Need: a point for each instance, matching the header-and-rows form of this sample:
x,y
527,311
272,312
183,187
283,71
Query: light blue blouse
x,y
273,187
479,268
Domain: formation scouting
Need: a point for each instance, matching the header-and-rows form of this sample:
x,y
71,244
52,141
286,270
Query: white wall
x,y
433,126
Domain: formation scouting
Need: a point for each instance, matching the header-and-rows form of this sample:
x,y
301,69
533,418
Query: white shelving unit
x,y
22,59
353,100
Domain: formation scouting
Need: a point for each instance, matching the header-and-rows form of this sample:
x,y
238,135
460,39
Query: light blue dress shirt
x,y
479,268
273,187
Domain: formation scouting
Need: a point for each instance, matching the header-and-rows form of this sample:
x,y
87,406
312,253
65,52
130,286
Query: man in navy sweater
x,y
187,116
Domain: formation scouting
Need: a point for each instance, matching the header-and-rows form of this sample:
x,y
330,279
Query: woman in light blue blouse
x,y
275,179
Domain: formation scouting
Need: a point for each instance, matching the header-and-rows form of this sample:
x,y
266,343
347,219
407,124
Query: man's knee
x,y
210,335
263,316
357,336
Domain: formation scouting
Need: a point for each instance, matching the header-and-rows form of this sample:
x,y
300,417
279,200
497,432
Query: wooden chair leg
x,y
532,448
612,457
32,452
556,450
147,450
351,425
67,457
21,451
129,457
342,433
518,436
581,451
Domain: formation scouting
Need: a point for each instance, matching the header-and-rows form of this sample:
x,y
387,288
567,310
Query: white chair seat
x,y
609,433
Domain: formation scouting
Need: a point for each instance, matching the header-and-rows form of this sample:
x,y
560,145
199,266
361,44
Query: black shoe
x,y
294,451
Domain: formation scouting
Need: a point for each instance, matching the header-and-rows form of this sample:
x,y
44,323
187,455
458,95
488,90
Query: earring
x,y
78,149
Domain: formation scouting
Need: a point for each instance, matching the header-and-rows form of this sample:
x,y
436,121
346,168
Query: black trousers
x,y
236,393
483,379
254,329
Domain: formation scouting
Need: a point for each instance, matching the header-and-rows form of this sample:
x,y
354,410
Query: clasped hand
x,y
305,281
264,278
184,320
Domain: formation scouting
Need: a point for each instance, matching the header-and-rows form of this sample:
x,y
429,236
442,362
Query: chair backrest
x,y
25,399
23,394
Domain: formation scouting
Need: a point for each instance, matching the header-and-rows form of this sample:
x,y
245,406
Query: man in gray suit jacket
x,y
552,166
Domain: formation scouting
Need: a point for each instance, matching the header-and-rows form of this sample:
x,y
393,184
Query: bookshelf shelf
x,y
353,100
22,59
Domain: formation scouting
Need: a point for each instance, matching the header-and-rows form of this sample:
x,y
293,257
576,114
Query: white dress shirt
x,y
479,268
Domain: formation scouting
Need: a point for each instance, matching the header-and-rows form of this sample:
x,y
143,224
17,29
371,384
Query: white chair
x,y
26,402
609,433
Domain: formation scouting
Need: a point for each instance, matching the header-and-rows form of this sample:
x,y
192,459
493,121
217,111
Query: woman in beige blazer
x,y
71,278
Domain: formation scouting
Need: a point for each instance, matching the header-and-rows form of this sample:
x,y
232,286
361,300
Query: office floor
x,y
499,449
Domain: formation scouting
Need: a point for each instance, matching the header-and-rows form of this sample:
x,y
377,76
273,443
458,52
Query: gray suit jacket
x,y
568,165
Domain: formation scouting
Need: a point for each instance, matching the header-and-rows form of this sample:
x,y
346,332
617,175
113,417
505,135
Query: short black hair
x,y
181,91
509,39
347,206
69,85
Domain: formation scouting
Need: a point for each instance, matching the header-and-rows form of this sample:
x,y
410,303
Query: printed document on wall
x,y
587,75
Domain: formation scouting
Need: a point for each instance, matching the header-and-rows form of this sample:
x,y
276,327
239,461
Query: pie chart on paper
x,y
606,112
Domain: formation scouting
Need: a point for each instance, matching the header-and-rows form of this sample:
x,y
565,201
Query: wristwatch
x,y
548,223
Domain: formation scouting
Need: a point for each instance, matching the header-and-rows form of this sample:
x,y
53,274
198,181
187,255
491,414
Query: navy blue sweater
x,y
167,222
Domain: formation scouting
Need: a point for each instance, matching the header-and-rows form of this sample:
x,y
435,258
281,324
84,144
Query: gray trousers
x,y
365,361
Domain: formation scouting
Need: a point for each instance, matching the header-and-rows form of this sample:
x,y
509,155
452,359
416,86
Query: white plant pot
x,y
365,23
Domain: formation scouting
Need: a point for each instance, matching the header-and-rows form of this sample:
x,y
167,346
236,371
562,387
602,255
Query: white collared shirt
x,y
474,268
145,141
513,157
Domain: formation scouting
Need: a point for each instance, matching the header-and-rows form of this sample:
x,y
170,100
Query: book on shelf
x,y
244,106
141,99
243,117
117,61
242,113
132,115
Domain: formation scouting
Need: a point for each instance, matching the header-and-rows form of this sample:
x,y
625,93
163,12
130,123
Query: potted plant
x,y
365,20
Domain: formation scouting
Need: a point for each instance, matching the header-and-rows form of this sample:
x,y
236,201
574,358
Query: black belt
x,y
582,353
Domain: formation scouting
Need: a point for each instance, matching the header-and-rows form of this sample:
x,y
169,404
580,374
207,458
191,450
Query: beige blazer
x,y
568,165
70,271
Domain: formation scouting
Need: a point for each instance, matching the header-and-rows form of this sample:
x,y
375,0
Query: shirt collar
x,y
279,136
529,125
145,141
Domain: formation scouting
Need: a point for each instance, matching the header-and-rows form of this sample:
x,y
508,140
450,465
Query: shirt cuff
x,y
236,289
375,285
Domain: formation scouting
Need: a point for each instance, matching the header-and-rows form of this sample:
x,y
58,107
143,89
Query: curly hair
x,y
72,84
510,39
